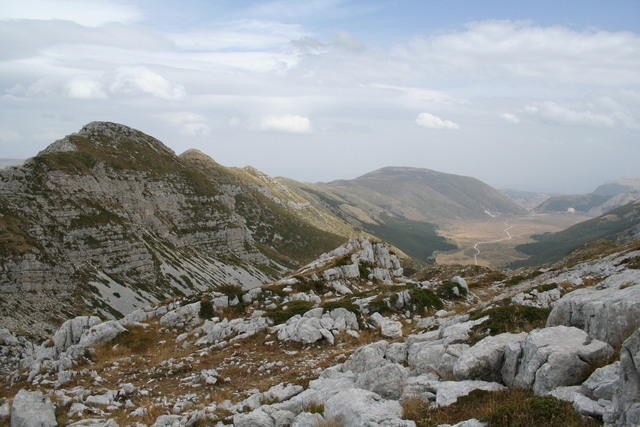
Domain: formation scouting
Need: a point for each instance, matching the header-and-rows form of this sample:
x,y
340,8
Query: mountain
x,y
526,199
405,206
109,219
605,197
620,224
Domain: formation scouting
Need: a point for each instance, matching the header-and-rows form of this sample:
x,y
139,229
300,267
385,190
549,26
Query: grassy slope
x,y
551,247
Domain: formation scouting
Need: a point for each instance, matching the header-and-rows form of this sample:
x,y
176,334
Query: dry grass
x,y
510,408
332,422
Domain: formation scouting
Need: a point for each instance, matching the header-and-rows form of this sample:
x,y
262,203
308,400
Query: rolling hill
x,y
620,224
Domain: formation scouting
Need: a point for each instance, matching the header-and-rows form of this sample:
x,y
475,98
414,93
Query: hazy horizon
x,y
538,97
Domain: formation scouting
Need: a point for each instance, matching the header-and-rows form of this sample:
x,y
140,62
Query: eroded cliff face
x,y
110,218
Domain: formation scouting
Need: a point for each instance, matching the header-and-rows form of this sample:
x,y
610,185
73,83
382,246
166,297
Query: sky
x,y
539,96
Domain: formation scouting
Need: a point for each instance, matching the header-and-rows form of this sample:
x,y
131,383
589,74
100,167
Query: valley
x,y
465,234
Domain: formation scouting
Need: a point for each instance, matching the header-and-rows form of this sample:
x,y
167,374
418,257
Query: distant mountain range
x,y
527,199
606,197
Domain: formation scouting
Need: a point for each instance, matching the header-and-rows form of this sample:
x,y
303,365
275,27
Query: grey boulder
x,y
32,409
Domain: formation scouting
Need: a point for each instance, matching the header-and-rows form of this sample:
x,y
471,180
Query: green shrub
x,y
447,290
317,286
379,304
365,269
508,318
206,309
425,298
231,291
288,310
328,306
547,287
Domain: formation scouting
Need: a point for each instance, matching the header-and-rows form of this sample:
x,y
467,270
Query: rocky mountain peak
x,y
106,135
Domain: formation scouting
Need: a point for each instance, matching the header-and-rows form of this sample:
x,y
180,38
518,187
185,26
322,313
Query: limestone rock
x,y
602,383
361,408
71,331
387,380
484,360
101,333
625,410
32,409
182,316
366,358
606,314
552,357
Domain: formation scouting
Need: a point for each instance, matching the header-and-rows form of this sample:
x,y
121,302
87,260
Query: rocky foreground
x,y
349,341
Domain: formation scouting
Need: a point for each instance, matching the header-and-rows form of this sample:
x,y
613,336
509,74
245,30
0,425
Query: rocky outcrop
x,y
608,314
625,410
552,357
316,324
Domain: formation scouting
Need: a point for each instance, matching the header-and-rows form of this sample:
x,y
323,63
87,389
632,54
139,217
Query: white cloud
x,y
510,117
190,123
508,50
286,123
243,34
95,13
557,113
428,120
134,80
85,88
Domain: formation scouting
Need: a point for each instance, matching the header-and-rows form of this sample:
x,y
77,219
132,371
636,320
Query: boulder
x,y
101,333
182,316
391,329
367,357
625,410
552,357
581,403
387,380
255,418
606,314
170,421
396,352
602,383
426,357
71,331
484,360
361,408
32,409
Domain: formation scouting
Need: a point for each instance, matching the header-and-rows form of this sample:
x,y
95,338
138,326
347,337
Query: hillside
x,y
109,219
405,206
347,340
620,224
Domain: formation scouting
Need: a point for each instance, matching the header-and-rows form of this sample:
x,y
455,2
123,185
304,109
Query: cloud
x,y
286,123
85,88
347,41
434,122
512,50
510,117
190,123
135,80
97,13
557,113
242,34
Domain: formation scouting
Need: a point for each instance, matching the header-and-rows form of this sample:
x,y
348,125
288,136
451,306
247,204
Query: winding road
x,y
477,249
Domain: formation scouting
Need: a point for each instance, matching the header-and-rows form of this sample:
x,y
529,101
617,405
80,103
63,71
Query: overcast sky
x,y
540,95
